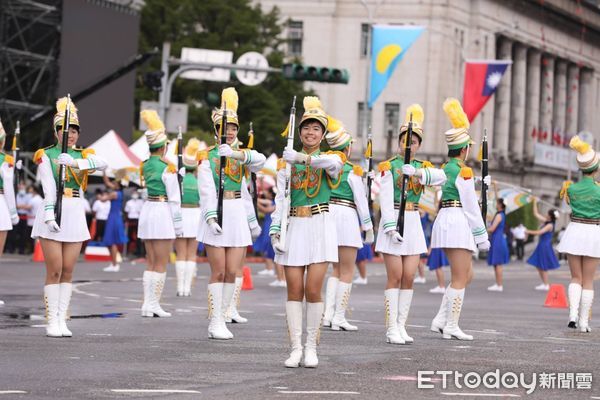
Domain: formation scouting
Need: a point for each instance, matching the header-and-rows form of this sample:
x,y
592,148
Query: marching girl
x,y
459,226
543,257
61,240
8,208
581,241
160,218
186,246
226,245
498,254
311,242
401,254
350,210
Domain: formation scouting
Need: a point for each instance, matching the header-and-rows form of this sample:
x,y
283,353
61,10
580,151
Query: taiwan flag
x,y
481,80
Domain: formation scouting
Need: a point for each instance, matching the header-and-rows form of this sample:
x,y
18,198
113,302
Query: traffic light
x,y
301,72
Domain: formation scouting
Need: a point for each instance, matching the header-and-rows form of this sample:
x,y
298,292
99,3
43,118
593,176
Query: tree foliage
x,y
233,25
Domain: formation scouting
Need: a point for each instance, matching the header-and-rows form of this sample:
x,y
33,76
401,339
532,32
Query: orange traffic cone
x,y
38,254
247,278
556,297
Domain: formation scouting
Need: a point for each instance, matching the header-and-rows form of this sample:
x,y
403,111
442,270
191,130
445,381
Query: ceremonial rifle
x,y
180,160
253,189
407,143
16,150
484,173
222,161
369,156
288,181
62,169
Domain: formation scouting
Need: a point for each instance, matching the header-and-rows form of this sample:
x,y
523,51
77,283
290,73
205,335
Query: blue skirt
x,y
365,253
498,254
437,259
543,257
262,245
114,231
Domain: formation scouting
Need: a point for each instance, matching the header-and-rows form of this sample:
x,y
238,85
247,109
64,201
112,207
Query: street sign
x,y
191,55
251,59
554,157
177,115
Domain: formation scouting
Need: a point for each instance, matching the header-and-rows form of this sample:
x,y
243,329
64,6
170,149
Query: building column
x,y
585,100
546,100
560,98
517,103
572,100
500,136
532,102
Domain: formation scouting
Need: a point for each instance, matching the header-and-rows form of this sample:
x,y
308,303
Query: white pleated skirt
x,y
236,232
73,226
347,226
414,238
5,222
155,221
310,240
581,240
451,230
191,221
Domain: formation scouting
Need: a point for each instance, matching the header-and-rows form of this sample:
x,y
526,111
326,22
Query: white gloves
x,y
369,237
19,165
293,157
487,180
66,159
255,231
182,172
14,219
225,150
484,246
395,235
276,245
214,227
408,170
53,226
178,229
371,174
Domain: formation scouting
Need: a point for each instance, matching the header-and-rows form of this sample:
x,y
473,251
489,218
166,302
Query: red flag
x,y
481,80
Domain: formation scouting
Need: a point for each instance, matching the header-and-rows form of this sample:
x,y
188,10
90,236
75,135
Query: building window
x,y
364,40
295,38
392,119
360,127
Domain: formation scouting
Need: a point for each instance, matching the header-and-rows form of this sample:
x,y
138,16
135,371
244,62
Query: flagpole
x,y
366,109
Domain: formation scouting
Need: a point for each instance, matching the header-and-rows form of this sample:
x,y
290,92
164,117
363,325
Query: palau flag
x,y
388,46
481,80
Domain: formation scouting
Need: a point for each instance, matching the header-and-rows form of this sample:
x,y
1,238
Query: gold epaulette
x,y
86,152
426,164
384,166
466,173
9,159
563,192
202,155
171,168
37,156
280,164
338,153
357,170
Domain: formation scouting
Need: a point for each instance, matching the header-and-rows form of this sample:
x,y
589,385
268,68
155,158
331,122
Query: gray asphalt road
x,y
117,354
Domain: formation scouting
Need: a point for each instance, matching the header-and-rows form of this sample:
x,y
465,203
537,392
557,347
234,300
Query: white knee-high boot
x,y
314,318
453,309
216,326
147,283
232,313
190,270
404,302
227,297
180,269
330,293
51,299
574,300
585,312
439,321
66,289
342,297
293,312
392,335
157,284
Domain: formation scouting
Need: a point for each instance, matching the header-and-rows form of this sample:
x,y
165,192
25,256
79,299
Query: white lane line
x,y
279,387
112,298
12,392
417,326
489,331
562,338
314,392
170,391
98,334
462,394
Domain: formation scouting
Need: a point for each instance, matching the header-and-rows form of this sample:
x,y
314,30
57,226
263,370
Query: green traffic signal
x,y
301,72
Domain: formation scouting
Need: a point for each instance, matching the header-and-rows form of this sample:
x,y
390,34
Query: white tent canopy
x,y
116,152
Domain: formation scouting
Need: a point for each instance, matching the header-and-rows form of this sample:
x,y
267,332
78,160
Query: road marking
x,y
490,331
112,298
279,387
98,334
561,338
417,326
407,378
12,392
183,310
315,392
346,373
170,391
481,394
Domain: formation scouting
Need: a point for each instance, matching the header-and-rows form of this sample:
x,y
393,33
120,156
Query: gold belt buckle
x,y
68,192
303,212
229,194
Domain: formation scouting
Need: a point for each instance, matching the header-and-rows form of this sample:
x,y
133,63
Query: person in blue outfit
x,y
543,257
114,231
498,254
364,255
435,261
262,245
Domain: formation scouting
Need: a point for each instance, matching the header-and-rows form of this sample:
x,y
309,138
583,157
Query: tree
x,y
234,25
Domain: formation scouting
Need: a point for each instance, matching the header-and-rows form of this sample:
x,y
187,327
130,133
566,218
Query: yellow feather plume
x,y
456,114
229,97
152,120
193,145
311,102
369,151
579,145
61,105
333,124
418,115
286,130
